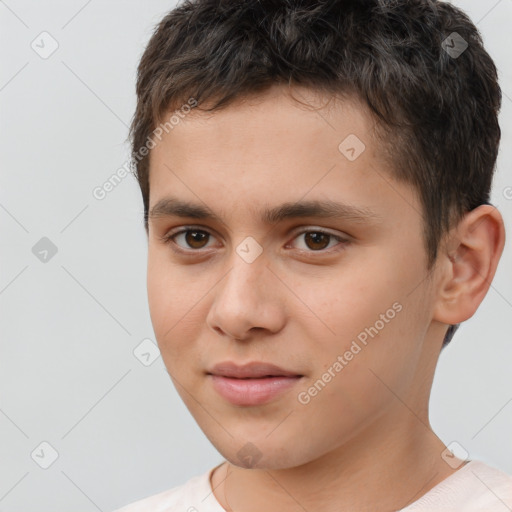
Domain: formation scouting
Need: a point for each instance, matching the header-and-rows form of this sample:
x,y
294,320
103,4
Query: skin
x,y
364,442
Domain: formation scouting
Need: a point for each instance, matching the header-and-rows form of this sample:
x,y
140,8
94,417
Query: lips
x,y
252,384
252,370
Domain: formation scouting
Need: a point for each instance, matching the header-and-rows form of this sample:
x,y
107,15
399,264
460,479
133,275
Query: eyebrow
x,y
174,207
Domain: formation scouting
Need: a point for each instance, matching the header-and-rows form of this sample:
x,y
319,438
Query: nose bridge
x,y
248,268
244,299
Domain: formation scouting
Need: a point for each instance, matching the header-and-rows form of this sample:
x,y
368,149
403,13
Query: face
x,y
341,300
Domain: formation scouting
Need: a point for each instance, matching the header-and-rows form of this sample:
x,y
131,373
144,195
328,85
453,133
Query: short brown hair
x,y
437,100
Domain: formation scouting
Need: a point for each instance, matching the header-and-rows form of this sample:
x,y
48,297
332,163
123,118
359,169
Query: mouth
x,y
251,384
252,370
252,391
254,378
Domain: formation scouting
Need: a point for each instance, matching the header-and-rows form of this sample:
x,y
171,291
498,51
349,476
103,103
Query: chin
x,y
261,455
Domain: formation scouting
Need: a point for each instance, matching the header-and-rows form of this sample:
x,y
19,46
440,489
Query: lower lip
x,y
252,391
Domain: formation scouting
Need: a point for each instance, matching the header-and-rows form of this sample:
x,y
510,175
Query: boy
x,y
316,180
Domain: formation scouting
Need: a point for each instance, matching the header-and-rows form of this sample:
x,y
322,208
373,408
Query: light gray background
x,y
68,375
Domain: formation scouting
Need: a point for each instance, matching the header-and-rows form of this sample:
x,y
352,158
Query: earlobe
x,y
474,251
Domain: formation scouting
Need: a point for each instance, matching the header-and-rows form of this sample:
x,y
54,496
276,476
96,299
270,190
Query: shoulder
x,y
494,484
476,487
192,496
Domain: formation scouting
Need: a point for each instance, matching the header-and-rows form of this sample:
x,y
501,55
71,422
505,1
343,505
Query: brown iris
x,y
194,237
317,239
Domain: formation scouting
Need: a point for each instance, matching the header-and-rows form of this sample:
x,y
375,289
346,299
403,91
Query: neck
x,y
386,467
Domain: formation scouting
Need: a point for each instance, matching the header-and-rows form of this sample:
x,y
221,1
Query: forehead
x,y
269,149
297,112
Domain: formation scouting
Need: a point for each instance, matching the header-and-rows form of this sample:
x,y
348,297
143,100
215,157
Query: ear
x,y
469,260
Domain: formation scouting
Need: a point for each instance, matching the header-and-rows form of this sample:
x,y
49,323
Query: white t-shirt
x,y
475,487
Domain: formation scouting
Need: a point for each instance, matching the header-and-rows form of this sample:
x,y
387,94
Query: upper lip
x,y
250,370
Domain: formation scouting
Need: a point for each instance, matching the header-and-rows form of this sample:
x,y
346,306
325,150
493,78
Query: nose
x,y
248,299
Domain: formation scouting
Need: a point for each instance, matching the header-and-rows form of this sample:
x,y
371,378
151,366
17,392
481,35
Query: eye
x,y
316,240
194,239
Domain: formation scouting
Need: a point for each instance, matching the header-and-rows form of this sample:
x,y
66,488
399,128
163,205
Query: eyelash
x,y
169,240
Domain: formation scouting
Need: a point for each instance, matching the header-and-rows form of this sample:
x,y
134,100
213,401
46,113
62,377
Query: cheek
x,y
169,287
177,306
160,287
369,334
344,301
168,299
